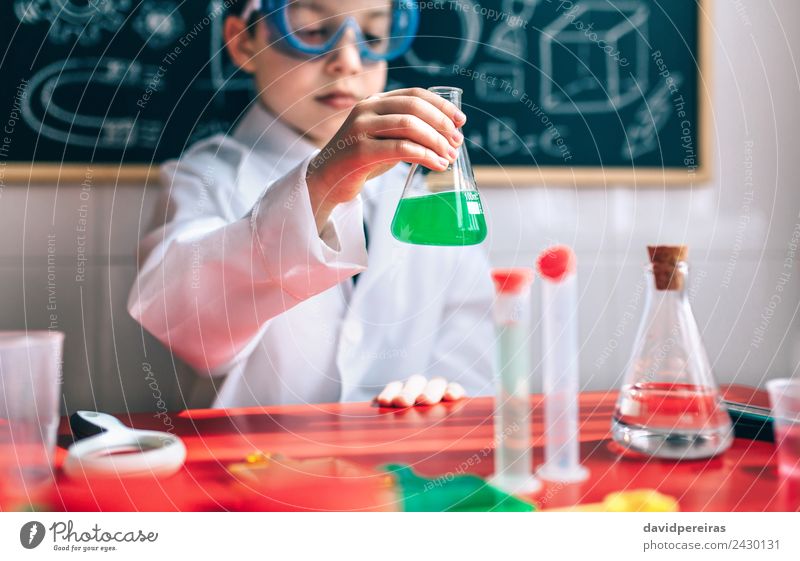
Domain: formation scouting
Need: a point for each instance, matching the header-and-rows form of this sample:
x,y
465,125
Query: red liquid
x,y
669,406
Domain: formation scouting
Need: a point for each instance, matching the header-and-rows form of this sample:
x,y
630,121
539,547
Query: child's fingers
x,y
411,390
433,392
423,109
412,128
454,392
455,115
388,394
404,150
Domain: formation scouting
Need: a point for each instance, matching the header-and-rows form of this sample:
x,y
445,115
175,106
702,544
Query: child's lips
x,y
338,100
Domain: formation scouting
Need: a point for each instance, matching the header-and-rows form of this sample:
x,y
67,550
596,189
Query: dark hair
x,y
236,7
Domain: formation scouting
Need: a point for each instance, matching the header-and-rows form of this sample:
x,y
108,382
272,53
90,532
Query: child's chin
x,y
325,131
329,109
330,119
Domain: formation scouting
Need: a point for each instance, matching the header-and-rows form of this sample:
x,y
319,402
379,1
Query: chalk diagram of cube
x,y
578,74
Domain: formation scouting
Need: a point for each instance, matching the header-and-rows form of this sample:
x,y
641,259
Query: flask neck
x,y
668,277
458,176
666,291
451,94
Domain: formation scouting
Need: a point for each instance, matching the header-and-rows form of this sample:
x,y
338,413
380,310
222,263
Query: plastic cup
x,y
30,381
784,396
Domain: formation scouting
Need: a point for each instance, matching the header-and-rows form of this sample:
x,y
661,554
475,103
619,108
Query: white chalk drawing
x,y
579,75
520,10
509,43
509,38
46,113
221,68
474,138
641,134
84,20
547,141
501,138
502,79
159,23
502,141
468,43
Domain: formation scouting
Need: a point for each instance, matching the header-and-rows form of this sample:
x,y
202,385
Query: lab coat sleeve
x,y
210,282
464,350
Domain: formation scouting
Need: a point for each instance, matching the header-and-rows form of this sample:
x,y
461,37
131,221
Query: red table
x,y
446,438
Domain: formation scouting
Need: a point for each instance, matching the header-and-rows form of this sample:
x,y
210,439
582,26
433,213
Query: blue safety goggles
x,y
311,28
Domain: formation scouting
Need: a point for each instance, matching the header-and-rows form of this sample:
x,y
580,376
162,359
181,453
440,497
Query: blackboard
x,y
573,90
554,90
114,84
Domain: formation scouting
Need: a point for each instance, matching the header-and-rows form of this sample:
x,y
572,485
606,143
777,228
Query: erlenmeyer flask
x,y
441,207
669,405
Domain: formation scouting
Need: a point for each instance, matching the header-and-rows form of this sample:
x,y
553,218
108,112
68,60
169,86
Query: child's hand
x,y
410,125
418,390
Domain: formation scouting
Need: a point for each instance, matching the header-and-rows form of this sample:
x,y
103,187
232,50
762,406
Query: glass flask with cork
x,y
669,405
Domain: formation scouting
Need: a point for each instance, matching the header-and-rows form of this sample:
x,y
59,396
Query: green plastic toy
x,y
453,493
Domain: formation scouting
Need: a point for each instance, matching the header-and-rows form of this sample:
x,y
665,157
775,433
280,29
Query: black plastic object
x,y
82,427
751,421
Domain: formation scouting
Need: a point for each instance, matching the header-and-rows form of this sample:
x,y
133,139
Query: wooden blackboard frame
x,y
486,176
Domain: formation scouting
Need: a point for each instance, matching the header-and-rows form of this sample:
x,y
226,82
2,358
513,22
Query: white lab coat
x,y
237,282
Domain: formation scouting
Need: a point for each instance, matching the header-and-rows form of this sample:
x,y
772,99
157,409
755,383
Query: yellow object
x,y
641,500
258,457
273,481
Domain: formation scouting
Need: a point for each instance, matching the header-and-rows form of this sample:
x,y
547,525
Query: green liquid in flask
x,y
447,218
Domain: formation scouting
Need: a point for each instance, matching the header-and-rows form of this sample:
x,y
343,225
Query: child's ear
x,y
241,42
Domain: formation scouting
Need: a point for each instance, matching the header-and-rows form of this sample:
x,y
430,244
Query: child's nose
x,y
345,57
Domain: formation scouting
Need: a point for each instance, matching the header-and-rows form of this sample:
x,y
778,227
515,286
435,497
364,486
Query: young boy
x,y
273,265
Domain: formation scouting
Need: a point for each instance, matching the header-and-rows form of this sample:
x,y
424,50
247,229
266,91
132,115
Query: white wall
x,y
739,241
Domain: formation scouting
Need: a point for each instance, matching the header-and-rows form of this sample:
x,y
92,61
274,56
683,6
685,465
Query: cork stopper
x,y
665,260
